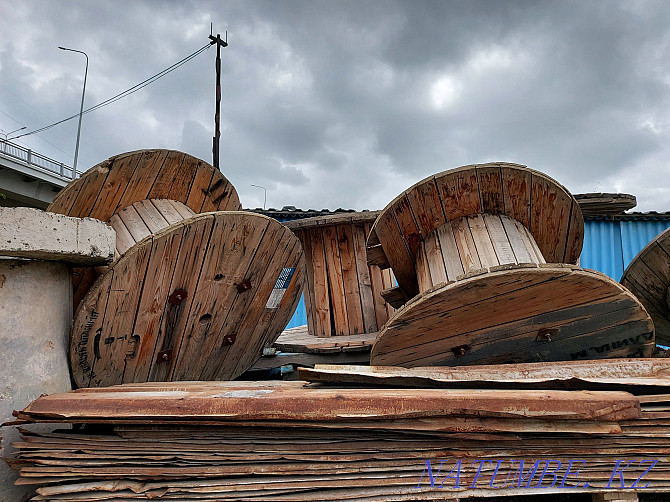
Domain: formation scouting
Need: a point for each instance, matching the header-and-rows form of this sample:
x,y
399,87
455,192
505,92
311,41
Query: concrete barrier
x,y
36,310
31,233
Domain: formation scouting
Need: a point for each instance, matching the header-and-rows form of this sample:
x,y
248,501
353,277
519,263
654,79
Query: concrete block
x,y
31,233
35,317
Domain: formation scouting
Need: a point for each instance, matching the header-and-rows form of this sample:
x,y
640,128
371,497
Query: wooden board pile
x,y
357,434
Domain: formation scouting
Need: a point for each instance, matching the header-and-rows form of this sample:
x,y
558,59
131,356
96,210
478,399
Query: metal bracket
x,y
461,350
164,356
546,334
177,296
243,286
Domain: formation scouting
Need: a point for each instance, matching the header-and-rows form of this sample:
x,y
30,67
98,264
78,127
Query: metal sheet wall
x,y
637,234
300,316
609,246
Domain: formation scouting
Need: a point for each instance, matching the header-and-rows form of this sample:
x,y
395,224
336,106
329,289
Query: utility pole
x,y
217,115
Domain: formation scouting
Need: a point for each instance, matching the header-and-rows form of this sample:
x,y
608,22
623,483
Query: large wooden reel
x,y
124,179
648,278
517,314
128,178
141,219
196,301
472,245
343,291
533,199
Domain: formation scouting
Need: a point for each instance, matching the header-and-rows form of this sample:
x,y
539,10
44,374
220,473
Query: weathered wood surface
x,y
517,314
191,463
345,355
146,217
605,204
640,375
360,217
648,278
536,201
471,243
292,401
109,187
300,340
124,179
395,297
342,291
198,299
232,456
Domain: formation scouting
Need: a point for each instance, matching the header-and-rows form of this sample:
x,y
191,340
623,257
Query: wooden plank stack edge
x,y
355,433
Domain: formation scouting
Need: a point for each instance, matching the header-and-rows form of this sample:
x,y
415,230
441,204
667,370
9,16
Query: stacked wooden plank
x,y
358,438
297,347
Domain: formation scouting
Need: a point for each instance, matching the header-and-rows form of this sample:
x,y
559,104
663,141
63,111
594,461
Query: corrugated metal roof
x,y
288,213
633,216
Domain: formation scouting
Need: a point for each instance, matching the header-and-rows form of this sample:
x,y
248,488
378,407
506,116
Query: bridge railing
x,y
34,159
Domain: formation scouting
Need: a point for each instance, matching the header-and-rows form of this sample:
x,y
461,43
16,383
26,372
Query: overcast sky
x,y
345,104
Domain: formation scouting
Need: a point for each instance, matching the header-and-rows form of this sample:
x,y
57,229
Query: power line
x,y
44,115
24,101
125,93
38,136
5,113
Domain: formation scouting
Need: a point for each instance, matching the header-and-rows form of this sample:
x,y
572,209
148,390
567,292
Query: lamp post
x,y
4,144
81,111
265,194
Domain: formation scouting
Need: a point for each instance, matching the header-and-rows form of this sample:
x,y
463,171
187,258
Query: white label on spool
x,y
281,285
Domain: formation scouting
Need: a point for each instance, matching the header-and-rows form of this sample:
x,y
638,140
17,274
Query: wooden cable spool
x,y
138,221
470,249
122,180
471,243
146,217
343,293
648,278
198,300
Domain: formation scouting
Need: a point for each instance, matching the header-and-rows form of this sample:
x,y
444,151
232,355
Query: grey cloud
x,y
344,104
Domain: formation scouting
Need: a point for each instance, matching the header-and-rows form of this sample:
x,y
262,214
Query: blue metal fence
x,y
300,316
609,246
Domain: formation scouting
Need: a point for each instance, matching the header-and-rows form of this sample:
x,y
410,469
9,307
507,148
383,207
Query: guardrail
x,y
34,159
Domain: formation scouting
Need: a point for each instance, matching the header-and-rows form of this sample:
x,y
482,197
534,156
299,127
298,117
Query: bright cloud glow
x,y
444,92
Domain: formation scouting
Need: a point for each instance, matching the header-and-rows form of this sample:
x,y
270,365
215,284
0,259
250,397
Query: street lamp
x,y
81,111
4,145
265,194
